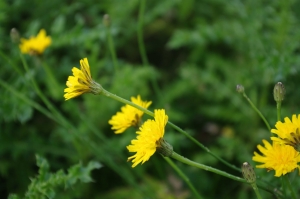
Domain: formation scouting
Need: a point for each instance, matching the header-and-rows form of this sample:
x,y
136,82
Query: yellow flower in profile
x,y
81,81
129,115
279,157
288,132
148,139
35,45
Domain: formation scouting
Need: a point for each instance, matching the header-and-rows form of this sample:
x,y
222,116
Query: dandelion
x,y
288,132
81,81
129,115
279,157
35,45
149,138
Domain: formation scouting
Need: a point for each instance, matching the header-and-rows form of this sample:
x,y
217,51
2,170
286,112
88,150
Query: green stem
x,y
254,186
184,160
52,83
140,33
184,177
257,111
142,45
115,97
112,49
278,105
287,184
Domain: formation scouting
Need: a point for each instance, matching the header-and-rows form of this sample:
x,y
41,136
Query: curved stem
x,y
257,111
206,168
287,184
115,97
184,177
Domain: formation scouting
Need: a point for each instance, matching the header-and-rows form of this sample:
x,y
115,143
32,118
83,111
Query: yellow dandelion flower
x,y
288,132
149,136
81,81
35,45
279,157
129,116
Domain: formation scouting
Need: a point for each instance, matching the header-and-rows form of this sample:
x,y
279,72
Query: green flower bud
x,y
106,20
279,92
248,172
240,88
14,35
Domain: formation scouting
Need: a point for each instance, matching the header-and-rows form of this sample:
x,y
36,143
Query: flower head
x,y
129,115
81,81
148,139
279,157
288,132
35,45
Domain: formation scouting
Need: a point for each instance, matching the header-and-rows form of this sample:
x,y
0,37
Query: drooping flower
x,y
129,115
149,136
279,157
288,132
81,81
35,45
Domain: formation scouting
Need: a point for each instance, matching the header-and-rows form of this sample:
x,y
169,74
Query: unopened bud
x,y
248,172
240,88
14,35
164,148
279,92
106,20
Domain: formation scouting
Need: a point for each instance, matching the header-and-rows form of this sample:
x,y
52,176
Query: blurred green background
x,y
198,52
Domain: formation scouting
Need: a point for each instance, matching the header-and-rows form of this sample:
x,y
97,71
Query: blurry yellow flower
x,y
129,116
288,132
35,45
81,81
279,157
149,136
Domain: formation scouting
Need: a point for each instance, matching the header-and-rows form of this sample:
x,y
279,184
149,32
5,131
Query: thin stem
x,y
140,33
278,105
184,160
289,186
184,177
257,111
142,45
254,186
115,97
112,49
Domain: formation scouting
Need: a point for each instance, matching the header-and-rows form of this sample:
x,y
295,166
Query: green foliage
x,y
198,52
45,184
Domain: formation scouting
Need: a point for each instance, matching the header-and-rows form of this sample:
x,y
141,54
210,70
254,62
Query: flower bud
x,y
164,148
248,172
106,20
240,88
14,35
279,92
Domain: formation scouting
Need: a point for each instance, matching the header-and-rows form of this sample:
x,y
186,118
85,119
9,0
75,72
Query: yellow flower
x,y
81,81
149,136
279,157
288,132
129,116
35,45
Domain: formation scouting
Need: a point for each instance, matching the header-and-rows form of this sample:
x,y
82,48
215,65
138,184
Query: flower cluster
x,y
35,45
283,154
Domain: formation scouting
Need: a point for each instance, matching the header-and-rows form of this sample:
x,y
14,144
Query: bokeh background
x,y
198,51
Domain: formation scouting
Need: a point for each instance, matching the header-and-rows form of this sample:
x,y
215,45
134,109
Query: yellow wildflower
x,y
129,115
288,132
148,139
35,45
279,157
81,81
